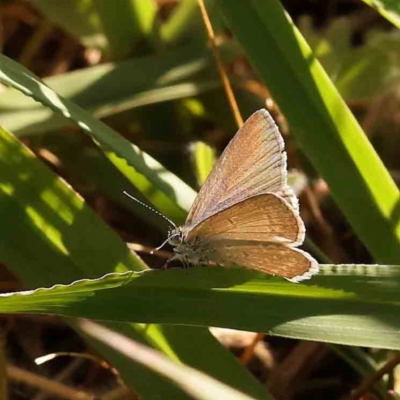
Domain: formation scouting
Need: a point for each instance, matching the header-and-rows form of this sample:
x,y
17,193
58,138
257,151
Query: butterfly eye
x,y
175,239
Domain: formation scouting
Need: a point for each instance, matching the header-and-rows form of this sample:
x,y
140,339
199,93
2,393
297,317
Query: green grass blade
x,y
110,88
57,229
389,9
118,29
353,304
181,24
324,126
203,159
165,204
128,25
18,77
77,17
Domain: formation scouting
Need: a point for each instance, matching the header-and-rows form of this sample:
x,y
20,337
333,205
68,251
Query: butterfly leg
x,y
166,264
186,264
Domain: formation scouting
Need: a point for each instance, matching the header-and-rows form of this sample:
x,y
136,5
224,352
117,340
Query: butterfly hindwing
x,y
259,233
271,258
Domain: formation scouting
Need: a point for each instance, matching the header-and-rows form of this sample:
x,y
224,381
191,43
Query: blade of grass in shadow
x,y
361,362
128,24
77,17
327,131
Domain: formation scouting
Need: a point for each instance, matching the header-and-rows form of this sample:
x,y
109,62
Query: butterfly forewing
x,y
264,217
253,163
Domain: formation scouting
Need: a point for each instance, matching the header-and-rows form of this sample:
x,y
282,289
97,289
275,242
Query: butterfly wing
x,y
264,217
275,259
259,233
254,162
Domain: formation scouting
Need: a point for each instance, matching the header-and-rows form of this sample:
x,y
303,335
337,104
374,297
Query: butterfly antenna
x,y
151,209
165,242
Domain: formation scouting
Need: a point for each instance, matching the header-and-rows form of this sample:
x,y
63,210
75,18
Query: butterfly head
x,y
190,251
175,237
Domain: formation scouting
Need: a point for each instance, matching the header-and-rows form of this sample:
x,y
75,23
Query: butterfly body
x,y
245,213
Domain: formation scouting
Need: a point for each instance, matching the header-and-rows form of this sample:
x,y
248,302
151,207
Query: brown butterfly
x,y
245,213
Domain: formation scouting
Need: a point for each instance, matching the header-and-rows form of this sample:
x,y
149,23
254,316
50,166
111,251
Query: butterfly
x,y
245,214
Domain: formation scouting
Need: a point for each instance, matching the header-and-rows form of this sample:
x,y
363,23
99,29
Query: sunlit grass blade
x,y
46,224
389,9
18,77
203,158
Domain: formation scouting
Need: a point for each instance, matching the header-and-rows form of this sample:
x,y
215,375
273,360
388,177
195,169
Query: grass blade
x,y
18,77
388,9
331,308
